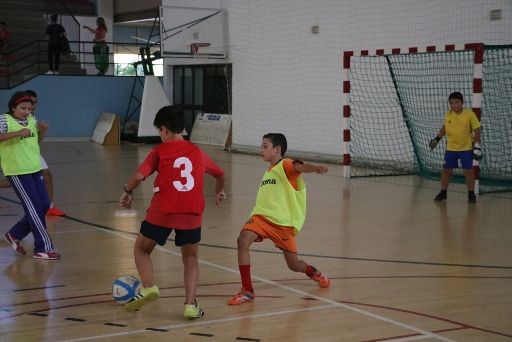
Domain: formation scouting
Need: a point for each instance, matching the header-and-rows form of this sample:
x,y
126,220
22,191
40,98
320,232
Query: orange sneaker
x,y
321,279
242,297
55,212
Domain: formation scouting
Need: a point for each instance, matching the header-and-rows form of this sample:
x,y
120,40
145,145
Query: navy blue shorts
x,y
451,159
160,234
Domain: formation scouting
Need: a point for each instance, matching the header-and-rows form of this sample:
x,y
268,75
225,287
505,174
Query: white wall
x,y
286,79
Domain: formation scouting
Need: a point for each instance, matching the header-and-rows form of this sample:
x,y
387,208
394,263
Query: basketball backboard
x,y
185,29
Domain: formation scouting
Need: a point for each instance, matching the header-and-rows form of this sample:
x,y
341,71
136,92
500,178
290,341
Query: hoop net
x,y
200,50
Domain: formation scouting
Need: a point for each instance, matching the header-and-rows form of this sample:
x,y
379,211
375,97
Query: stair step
x,y
27,22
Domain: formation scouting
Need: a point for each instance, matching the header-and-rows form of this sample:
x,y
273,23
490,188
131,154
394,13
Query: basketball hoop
x,y
199,50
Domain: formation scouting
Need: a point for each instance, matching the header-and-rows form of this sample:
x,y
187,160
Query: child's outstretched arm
x,y
24,132
42,128
441,132
216,172
305,167
433,143
220,195
476,134
127,197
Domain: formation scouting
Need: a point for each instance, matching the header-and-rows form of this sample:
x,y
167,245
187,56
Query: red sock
x,y
245,274
310,271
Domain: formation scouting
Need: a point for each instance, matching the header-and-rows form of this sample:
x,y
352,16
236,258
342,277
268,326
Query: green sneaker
x,y
192,311
144,296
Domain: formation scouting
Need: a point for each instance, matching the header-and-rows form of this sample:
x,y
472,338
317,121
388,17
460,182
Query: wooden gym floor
x,y
402,267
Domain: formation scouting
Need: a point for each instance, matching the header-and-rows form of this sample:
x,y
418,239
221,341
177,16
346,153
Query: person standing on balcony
x,y
100,48
56,34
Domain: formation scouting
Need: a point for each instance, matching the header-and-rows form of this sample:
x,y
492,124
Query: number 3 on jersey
x,y
185,173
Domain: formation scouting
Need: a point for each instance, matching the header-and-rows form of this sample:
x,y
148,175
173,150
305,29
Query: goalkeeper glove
x,y
433,143
477,151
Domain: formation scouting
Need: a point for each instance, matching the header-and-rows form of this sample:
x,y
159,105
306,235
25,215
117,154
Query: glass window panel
x,y
209,71
188,86
178,91
189,120
198,86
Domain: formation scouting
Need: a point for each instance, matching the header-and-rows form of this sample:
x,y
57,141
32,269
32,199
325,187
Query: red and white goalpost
x,y
476,96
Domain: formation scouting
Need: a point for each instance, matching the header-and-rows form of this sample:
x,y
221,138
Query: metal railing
x,y
31,60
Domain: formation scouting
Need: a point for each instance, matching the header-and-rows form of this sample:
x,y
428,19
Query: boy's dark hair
x,y
31,93
172,117
54,17
16,98
456,95
277,139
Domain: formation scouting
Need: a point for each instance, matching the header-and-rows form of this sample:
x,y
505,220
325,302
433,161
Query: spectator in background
x,y
100,48
5,36
56,34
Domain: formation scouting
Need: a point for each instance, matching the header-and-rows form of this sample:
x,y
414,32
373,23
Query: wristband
x,y
125,190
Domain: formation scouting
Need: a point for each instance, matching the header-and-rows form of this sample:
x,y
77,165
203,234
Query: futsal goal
x,y
394,103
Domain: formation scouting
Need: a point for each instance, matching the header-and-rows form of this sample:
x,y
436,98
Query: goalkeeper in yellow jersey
x,y
461,126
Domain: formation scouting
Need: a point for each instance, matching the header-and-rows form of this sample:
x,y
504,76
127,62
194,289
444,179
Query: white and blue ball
x,y
125,288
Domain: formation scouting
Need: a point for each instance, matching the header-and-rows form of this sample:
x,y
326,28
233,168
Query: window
x,y
202,89
123,65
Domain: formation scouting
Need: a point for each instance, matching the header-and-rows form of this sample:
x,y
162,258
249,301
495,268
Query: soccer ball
x,y
125,288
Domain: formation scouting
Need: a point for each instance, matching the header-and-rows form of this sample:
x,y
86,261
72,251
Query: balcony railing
x,y
30,60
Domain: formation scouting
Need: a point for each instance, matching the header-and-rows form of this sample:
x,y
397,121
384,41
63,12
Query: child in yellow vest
x,y
278,215
47,174
21,163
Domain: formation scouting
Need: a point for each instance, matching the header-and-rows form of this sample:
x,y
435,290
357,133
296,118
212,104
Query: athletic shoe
x,y
55,212
441,196
471,198
50,255
192,311
242,297
321,279
144,296
15,243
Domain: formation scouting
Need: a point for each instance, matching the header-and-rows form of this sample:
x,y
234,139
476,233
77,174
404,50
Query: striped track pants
x,y
31,191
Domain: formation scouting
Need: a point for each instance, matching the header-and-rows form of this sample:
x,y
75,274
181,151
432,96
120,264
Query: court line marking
x,y
423,333
412,338
95,225
76,231
199,323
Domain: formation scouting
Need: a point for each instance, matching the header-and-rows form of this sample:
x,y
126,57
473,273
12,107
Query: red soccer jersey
x,y
178,201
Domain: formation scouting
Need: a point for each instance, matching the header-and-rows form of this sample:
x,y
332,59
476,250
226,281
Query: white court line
x,y
411,338
75,231
197,323
291,289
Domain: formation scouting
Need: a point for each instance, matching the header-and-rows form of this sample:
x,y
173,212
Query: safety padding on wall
x,y
153,98
212,129
107,130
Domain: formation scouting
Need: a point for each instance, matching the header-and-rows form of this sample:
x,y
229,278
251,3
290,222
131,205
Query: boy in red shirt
x,y
177,203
